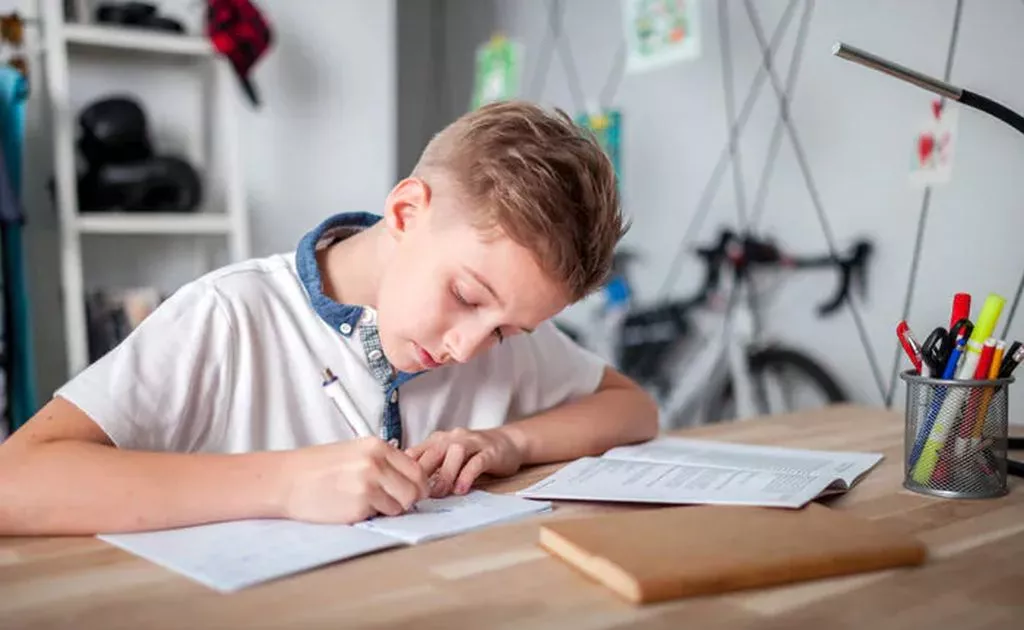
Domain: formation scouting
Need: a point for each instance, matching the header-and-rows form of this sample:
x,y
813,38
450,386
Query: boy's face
x,y
450,292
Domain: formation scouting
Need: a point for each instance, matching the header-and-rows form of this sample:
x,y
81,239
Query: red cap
x,y
961,308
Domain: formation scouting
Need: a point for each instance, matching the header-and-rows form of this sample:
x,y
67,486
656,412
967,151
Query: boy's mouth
x,y
426,360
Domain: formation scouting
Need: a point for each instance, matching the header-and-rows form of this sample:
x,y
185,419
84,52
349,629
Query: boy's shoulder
x,y
251,277
249,285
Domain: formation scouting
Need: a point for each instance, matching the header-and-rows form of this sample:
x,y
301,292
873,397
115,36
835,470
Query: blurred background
x,y
347,93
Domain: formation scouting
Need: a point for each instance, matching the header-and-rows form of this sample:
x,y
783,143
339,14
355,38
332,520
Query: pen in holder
x,y
956,436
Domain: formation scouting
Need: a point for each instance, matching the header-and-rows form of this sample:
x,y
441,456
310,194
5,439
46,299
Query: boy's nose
x,y
462,344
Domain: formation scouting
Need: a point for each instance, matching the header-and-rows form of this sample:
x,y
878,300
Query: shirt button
x,y
345,328
375,355
394,396
369,317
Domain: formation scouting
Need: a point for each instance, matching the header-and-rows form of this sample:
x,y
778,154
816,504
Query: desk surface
x,y
498,577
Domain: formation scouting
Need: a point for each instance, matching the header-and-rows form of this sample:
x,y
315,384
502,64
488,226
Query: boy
x,y
434,317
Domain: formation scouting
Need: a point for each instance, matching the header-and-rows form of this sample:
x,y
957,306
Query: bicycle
x,y
699,377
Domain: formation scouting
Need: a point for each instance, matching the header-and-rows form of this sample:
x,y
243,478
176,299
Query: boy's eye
x,y
459,297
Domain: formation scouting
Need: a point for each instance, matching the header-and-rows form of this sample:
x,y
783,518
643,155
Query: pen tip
x,y
328,374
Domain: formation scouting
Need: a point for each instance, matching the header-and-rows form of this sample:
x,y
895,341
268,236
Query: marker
x,y
961,308
967,424
986,396
332,387
910,344
982,331
954,399
1012,359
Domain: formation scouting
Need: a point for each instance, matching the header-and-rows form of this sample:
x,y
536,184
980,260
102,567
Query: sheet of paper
x,y
672,450
603,479
233,555
438,518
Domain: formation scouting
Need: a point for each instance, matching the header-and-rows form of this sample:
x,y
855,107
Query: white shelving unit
x,y
63,40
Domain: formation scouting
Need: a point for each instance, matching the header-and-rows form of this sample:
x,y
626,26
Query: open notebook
x,y
232,555
681,471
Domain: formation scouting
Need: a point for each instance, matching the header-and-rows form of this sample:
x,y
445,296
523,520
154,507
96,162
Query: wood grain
x,y
499,578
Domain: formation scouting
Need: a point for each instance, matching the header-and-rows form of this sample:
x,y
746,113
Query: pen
x,y
332,387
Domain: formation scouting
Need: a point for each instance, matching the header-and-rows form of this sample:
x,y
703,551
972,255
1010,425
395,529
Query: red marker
x,y
909,343
961,308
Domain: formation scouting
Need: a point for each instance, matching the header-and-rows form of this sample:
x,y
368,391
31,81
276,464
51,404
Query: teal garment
x,y
21,389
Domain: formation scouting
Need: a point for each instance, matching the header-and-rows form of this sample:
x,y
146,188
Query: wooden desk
x,y
499,578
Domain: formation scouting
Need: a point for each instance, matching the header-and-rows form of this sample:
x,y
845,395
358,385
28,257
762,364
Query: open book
x,y
233,555
679,471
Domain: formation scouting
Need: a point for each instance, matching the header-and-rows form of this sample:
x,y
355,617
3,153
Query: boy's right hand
x,y
347,482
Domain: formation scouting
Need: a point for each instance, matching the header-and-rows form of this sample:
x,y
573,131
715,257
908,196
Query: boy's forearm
x,y
71,487
589,426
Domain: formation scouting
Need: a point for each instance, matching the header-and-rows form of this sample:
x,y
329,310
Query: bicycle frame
x,y
723,355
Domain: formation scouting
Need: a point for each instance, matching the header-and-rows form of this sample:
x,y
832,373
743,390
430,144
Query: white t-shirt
x,y
232,362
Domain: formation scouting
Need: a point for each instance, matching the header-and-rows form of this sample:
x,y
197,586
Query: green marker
x,y
990,312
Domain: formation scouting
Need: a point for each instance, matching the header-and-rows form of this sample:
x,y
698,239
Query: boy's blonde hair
x,y
538,178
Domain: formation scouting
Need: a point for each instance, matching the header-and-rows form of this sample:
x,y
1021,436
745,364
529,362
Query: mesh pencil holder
x,y
956,437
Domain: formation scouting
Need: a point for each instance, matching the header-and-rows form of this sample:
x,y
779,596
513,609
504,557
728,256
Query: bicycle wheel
x,y
784,380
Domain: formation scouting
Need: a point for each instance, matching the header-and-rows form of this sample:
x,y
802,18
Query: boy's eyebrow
x,y
483,283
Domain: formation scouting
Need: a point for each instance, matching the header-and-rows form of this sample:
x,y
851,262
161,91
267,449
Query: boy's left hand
x,y
454,459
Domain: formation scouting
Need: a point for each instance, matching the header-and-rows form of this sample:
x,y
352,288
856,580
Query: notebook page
x,y
438,518
602,479
232,555
673,450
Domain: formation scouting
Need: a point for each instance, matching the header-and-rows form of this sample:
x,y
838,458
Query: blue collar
x,y
334,313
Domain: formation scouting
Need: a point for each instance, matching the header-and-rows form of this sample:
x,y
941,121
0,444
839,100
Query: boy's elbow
x,y
643,412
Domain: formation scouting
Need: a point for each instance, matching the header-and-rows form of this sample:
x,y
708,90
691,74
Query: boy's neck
x,y
350,269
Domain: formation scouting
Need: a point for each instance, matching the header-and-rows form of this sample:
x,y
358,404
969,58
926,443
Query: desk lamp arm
x,y
942,88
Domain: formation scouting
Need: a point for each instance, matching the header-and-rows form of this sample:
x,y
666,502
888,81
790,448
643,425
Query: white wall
x,y
325,140
322,142
857,128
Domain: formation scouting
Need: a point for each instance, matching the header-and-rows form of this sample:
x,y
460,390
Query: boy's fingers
x,y
473,469
411,470
431,460
415,451
400,488
383,503
453,461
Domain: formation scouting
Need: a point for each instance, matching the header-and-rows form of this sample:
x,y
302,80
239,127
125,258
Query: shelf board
x,y
136,39
146,223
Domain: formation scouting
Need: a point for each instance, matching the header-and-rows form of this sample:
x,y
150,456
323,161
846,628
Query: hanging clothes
x,y
21,386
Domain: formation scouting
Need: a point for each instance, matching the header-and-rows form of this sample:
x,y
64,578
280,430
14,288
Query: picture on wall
x,y
606,126
498,71
660,32
932,157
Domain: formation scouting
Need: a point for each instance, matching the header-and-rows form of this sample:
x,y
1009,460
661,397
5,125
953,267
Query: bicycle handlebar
x,y
747,252
742,254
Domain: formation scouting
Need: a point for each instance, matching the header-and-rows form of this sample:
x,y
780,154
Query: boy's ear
x,y
407,206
